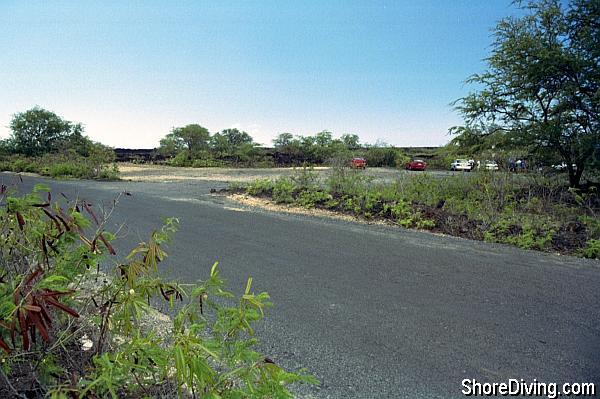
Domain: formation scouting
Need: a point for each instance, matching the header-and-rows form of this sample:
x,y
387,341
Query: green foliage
x,y
351,141
283,191
38,131
52,296
207,163
260,187
591,250
540,90
382,156
528,211
528,234
68,164
181,159
310,199
42,142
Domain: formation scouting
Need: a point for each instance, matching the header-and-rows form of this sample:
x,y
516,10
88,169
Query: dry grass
x,y
162,173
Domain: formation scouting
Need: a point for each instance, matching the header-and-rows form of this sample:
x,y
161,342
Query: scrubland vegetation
x,y
74,323
194,146
530,211
44,143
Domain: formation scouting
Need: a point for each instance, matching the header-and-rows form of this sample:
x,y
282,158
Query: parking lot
x,y
161,173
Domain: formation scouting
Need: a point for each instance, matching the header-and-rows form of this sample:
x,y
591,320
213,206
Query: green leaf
x,y
248,285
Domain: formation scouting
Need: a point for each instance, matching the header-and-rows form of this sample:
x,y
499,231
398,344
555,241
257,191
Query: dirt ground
x,y
161,173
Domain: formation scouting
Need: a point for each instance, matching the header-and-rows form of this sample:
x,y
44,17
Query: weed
x,y
260,187
49,254
591,250
283,191
532,212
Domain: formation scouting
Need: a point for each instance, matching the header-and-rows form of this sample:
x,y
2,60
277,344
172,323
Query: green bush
x,y
55,303
528,211
591,250
283,191
181,159
310,199
382,156
260,187
24,165
65,165
207,163
70,169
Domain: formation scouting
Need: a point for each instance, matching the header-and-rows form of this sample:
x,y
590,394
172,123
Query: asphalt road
x,y
375,311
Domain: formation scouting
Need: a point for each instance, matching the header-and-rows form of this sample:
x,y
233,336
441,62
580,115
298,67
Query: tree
x,y
219,145
283,140
170,145
542,86
77,142
236,138
6,147
245,152
323,138
191,138
38,131
351,141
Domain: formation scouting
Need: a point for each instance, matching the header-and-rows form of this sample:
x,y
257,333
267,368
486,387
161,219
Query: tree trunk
x,y
574,175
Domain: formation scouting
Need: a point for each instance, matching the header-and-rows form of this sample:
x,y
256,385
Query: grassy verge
x,y
59,166
528,211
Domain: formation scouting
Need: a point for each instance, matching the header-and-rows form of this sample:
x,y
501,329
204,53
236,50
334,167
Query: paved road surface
x,y
373,311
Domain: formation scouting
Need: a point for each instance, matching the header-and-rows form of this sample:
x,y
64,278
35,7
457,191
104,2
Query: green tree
x,y
77,142
193,137
170,145
542,86
351,141
236,138
382,156
308,146
38,131
323,138
219,145
283,140
246,152
6,147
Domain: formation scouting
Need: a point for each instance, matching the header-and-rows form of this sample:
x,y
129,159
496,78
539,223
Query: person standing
x,y
511,164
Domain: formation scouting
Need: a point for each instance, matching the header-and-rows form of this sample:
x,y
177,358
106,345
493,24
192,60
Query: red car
x,y
416,164
358,163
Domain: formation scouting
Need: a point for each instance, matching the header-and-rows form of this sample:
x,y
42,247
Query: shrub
x,y
64,165
283,191
71,169
528,211
591,250
310,199
24,165
260,187
207,163
382,156
181,159
53,298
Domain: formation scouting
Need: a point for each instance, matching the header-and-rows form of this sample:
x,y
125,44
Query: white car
x,y
488,165
462,164
563,166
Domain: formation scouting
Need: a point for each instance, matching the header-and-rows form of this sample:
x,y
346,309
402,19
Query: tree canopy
x,y
542,86
39,131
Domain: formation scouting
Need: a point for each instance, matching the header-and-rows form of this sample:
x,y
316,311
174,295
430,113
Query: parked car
x,y
462,164
416,164
358,163
563,166
488,165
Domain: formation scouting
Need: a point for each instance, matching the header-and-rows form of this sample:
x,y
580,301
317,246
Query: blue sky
x,y
132,70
